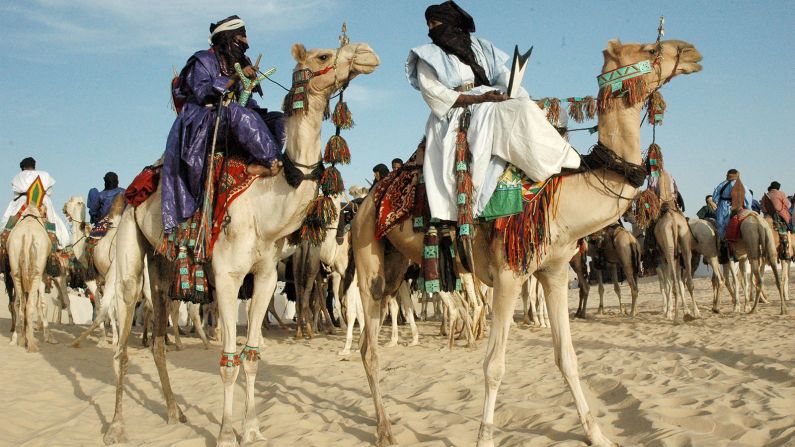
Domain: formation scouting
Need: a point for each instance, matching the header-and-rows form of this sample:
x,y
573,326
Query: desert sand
x,y
722,380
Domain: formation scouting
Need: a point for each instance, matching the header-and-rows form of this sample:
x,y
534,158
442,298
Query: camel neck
x,y
619,130
303,131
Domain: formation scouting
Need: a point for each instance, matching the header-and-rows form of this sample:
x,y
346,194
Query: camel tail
x,y
349,272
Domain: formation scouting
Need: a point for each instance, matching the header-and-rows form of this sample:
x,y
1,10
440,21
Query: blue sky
x,y
85,82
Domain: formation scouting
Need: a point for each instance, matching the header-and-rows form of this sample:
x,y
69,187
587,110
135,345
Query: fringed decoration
x,y
646,208
296,99
229,360
553,112
342,115
337,151
250,353
464,188
655,108
632,91
430,260
526,235
654,160
581,109
331,183
53,268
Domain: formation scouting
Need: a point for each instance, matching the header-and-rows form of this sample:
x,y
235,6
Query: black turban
x,y
453,37
452,14
228,50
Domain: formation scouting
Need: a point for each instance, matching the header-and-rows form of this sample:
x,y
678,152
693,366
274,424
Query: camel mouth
x,y
365,60
689,60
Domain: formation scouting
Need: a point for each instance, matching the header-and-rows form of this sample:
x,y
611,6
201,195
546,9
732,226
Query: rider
x,y
707,211
99,202
731,197
776,205
20,185
208,76
458,71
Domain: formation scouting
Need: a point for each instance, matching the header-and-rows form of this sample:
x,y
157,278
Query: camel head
x,y
334,68
666,59
75,209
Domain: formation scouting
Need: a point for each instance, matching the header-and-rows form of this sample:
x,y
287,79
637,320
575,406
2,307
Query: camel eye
x,y
323,57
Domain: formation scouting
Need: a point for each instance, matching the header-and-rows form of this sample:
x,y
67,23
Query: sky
x,y
86,82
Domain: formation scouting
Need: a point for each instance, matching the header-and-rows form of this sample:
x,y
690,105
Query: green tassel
x,y
342,116
337,151
331,183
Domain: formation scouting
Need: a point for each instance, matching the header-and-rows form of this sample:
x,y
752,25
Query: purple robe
x,y
251,131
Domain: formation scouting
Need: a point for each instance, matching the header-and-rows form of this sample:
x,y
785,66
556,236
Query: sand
x,y
723,380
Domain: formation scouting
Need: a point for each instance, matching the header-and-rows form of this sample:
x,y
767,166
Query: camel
x,y
587,202
533,293
617,247
28,248
758,244
788,255
267,212
704,236
674,241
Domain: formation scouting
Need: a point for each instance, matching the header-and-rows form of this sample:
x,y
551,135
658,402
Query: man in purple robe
x,y
258,135
99,202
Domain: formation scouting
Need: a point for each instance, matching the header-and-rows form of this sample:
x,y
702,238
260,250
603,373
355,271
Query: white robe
x,y
19,187
514,131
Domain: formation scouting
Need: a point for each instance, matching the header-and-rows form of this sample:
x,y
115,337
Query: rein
x,y
603,157
295,176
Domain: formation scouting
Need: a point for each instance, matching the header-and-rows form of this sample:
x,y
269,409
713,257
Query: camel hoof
x,y
384,441
227,438
252,434
391,344
345,352
689,317
177,417
414,343
115,434
715,310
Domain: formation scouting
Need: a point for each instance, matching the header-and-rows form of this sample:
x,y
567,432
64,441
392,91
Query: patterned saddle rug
x,y
519,210
191,244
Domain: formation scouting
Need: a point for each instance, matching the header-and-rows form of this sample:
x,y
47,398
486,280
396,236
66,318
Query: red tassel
x,y
337,151
342,116
331,183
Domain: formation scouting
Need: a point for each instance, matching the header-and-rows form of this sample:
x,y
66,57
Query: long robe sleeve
x,y
438,97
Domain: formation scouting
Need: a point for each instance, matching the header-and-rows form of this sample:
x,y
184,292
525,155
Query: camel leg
x,y
506,287
353,312
30,313
554,280
632,281
407,306
532,296
105,301
147,313
193,315
173,310
527,311
717,283
601,310
393,311
688,272
369,350
336,285
617,287
20,301
129,262
542,307
226,289
264,285
42,307
162,307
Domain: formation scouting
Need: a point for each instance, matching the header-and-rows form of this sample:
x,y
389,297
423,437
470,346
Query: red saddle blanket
x,y
230,180
400,195
733,227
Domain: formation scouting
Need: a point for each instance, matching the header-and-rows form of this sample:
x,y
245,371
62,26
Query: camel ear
x,y
299,52
614,48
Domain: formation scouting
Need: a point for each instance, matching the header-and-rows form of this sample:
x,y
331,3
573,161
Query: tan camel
x,y
705,242
784,264
758,244
263,215
28,248
614,246
674,241
587,202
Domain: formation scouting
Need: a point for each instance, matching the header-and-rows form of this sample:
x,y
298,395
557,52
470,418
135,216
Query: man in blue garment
x,y
208,78
731,197
99,202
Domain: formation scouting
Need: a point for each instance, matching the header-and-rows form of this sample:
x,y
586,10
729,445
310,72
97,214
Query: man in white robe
x,y
19,187
458,71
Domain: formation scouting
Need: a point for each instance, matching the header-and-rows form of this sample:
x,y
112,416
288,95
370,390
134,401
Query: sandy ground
x,y
723,380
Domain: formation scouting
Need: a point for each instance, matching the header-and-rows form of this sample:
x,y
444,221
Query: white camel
x,y
261,216
28,248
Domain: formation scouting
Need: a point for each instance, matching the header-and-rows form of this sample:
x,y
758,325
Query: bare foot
x,y
264,171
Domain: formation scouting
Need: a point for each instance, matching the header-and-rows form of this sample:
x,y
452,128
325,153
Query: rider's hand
x,y
493,96
250,72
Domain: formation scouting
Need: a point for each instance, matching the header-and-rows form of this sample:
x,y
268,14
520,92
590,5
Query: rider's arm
x,y
206,86
438,97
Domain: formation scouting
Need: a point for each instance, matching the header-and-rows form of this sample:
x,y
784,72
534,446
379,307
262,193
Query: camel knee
x,y
493,371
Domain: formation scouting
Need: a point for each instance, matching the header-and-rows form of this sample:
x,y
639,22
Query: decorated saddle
x,y
519,211
191,244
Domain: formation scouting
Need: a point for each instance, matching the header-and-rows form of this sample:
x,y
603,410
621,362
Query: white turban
x,y
227,26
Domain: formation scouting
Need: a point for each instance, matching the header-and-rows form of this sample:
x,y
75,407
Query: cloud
x,y
102,26
367,97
